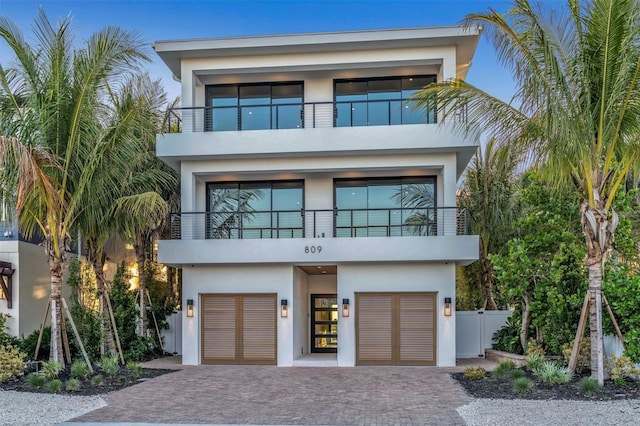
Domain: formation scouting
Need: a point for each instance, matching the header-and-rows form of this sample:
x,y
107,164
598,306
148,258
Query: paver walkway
x,y
285,395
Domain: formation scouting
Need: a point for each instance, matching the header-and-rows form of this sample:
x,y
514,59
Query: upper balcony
x,y
309,129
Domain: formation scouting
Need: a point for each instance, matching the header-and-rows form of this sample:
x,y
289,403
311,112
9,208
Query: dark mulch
x,y
493,388
109,384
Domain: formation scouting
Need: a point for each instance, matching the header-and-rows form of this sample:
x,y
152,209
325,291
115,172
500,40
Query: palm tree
x,y
489,195
61,129
578,95
143,98
151,187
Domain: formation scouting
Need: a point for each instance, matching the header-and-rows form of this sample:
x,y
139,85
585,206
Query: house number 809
x,y
312,249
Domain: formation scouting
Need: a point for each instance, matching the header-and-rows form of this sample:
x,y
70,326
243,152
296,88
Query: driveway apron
x,y
289,395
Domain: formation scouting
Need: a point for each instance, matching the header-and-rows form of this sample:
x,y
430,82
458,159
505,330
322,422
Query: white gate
x,y
474,331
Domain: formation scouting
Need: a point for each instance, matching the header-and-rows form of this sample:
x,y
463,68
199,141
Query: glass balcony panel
x,y
378,113
286,117
343,115
222,119
255,117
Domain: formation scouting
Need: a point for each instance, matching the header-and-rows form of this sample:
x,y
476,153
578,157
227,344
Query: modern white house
x,y
318,217
24,281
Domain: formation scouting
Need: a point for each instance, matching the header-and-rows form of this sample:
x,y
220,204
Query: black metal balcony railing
x,y
338,223
297,115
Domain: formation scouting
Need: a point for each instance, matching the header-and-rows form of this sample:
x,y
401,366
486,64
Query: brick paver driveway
x,y
281,395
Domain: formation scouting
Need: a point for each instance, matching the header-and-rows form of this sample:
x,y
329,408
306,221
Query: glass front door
x,y
324,323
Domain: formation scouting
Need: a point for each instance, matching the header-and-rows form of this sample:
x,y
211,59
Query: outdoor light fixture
x,y
345,307
190,308
284,309
447,306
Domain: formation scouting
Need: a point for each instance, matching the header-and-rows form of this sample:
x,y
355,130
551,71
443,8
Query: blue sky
x,y
180,19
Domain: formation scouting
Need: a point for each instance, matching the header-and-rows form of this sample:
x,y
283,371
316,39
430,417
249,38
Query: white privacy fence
x,y
172,338
474,331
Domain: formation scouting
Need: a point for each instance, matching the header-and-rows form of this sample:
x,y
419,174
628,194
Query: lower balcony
x,y
337,223
316,237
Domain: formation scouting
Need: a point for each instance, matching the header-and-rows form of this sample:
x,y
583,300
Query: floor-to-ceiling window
x,y
253,106
255,209
380,101
385,207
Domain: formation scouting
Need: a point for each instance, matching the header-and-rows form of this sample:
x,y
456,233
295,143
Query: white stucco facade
x,y
318,156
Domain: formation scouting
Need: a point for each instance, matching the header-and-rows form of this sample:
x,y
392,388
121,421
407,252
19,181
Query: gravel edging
x,y
25,408
497,412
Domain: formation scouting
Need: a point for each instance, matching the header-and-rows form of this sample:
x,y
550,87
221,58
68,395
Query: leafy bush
x,y
522,385
80,369
534,347
503,369
534,361
6,338
54,386
135,369
507,338
622,288
11,362
36,380
28,344
73,385
622,368
517,373
122,379
110,364
589,385
51,369
553,373
84,309
97,380
584,354
139,349
474,373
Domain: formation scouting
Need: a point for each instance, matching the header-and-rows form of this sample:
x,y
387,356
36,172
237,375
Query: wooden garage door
x,y
395,329
239,329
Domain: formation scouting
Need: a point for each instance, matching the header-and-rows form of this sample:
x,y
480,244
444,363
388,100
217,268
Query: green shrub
x,y
51,369
474,373
139,349
522,385
36,380
11,362
54,386
589,385
553,373
622,368
80,369
6,338
507,338
135,369
503,369
534,361
535,347
122,379
73,385
517,373
97,380
29,343
584,354
110,364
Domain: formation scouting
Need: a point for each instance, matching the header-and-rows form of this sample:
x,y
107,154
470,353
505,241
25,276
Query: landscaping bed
x,y
503,388
88,386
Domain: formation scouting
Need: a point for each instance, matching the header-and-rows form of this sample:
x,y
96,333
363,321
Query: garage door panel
x,y
239,329
375,333
396,328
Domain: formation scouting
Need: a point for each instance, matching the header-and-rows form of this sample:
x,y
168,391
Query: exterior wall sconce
x,y
190,308
284,308
345,307
447,306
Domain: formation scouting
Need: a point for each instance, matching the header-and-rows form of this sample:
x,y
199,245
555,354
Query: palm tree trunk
x,y
104,310
594,223
142,284
486,271
526,320
56,269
